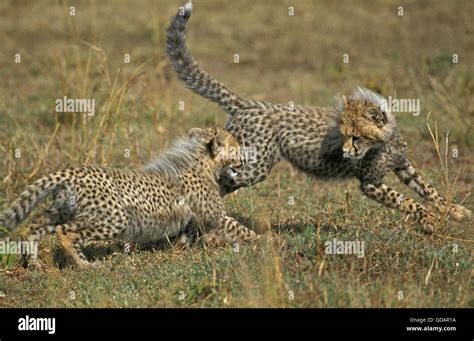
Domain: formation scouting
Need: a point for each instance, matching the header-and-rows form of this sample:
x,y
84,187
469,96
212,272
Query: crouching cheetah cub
x,y
179,188
358,138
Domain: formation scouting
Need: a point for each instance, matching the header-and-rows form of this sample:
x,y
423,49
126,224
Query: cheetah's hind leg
x,y
73,234
71,240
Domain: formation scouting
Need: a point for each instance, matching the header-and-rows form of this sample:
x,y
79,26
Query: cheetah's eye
x,y
373,114
377,116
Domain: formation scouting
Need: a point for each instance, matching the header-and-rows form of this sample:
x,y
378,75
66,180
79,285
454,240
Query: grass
x,y
282,59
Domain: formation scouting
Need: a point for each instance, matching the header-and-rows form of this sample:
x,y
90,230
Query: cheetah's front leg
x,y
231,231
410,177
391,198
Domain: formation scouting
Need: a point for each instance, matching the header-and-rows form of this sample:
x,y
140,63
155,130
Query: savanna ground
x,y
282,58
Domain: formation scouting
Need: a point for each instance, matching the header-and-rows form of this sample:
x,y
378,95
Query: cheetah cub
x,y
358,138
143,205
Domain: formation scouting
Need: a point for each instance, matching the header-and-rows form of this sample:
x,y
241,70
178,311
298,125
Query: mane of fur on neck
x,y
183,154
364,94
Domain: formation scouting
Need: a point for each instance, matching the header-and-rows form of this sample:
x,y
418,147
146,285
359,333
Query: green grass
x,y
282,59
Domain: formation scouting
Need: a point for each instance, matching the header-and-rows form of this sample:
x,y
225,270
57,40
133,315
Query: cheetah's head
x,y
365,122
223,148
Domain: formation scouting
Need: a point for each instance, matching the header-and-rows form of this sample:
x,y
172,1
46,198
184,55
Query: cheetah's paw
x,y
460,213
428,223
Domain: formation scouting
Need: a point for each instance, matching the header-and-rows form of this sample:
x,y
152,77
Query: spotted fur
x,y
358,138
160,200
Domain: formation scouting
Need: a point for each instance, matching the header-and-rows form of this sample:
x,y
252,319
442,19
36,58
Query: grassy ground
x,y
282,59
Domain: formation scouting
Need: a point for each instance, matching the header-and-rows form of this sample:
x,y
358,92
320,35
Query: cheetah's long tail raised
x,y
190,72
28,200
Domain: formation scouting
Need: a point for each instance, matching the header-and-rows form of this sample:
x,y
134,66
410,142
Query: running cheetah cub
x,y
358,138
143,205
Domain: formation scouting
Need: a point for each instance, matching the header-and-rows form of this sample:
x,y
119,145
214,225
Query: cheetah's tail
x,y
190,72
28,200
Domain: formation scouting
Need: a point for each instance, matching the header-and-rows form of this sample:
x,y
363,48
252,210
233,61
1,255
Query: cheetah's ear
x,y
213,139
344,101
217,144
196,133
203,135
